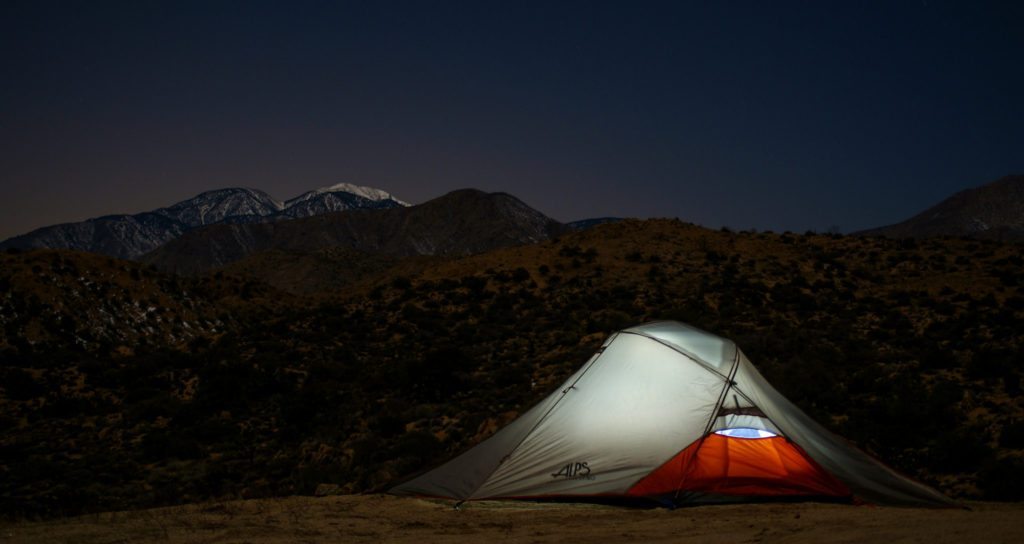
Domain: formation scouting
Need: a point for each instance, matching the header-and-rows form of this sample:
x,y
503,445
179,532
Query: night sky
x,y
767,115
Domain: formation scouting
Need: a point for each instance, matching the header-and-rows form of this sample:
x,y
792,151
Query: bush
x,y
419,445
1003,480
161,445
961,451
401,282
937,358
162,404
20,385
520,275
438,375
1012,435
990,364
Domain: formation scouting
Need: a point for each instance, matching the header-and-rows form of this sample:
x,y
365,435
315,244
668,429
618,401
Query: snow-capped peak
x,y
368,193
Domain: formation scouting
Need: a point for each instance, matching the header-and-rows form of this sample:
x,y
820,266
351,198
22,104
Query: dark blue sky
x,y
772,115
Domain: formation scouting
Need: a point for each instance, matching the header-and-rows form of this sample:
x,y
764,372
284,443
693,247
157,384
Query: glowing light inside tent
x,y
745,432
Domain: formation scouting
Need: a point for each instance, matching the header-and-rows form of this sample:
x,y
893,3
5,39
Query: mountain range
x,y
459,223
131,236
224,226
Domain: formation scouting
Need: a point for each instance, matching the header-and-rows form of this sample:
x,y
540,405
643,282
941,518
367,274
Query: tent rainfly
x,y
666,412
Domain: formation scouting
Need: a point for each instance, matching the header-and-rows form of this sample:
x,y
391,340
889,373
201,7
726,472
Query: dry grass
x,y
378,518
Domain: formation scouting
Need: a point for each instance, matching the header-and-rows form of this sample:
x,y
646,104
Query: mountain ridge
x,y
461,222
129,236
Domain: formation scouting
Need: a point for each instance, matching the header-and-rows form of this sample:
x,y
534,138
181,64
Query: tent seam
x,y
700,362
599,354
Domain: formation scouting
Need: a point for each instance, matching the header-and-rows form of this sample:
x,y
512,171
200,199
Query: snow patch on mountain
x,y
221,204
369,193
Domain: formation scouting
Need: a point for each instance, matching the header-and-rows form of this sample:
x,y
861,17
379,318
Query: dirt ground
x,y
381,518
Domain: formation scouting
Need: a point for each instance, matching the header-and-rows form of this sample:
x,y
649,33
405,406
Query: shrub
x,y
990,364
1003,480
161,404
20,385
1012,435
960,451
520,274
161,445
419,445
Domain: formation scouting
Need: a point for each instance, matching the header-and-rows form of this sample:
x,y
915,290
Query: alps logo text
x,y
574,471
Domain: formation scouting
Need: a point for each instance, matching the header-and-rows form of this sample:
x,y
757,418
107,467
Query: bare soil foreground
x,y
379,518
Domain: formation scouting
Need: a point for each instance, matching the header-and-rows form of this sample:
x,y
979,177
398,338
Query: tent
x,y
669,413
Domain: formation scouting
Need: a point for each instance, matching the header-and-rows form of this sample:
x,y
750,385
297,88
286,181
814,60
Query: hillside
x,y
462,222
994,211
53,300
909,349
313,272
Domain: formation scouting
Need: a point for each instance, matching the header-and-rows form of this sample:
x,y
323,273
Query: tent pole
x,y
711,422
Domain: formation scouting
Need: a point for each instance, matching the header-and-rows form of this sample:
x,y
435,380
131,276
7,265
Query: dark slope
x,y
994,211
120,236
130,236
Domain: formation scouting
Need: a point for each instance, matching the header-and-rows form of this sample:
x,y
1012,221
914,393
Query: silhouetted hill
x,y
459,223
994,211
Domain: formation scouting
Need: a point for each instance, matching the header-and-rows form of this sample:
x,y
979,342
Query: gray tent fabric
x,y
649,393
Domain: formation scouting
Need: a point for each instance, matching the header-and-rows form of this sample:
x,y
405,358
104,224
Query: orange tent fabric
x,y
726,465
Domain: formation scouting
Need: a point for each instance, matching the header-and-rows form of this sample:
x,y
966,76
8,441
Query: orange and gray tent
x,y
669,413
